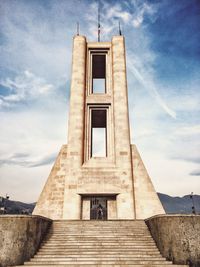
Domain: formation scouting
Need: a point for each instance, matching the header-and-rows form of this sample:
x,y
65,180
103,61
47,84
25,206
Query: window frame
x,y
92,72
98,51
109,131
106,134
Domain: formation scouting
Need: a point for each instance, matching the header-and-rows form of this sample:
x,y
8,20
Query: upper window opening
x,y
98,74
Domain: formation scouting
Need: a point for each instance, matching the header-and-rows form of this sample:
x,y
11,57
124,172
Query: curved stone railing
x,y
20,237
177,237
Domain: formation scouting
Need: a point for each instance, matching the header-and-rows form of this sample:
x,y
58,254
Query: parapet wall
x,y
20,237
177,237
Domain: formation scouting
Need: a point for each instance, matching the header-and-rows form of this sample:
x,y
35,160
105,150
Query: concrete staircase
x,y
99,243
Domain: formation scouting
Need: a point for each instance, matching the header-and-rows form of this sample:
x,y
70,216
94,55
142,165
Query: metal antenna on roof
x,y
120,32
99,25
77,28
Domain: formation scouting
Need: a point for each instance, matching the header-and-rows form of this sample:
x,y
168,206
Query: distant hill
x,y
170,204
16,207
180,204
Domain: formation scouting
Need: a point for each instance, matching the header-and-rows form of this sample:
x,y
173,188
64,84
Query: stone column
x,y
125,200
121,118
72,201
77,99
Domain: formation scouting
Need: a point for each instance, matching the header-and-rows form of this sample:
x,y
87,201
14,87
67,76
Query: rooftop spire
x,y
77,33
99,25
120,32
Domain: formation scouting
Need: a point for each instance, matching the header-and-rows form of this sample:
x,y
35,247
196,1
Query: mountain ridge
x,y
172,205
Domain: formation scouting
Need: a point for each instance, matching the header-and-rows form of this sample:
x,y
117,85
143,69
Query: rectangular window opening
x,y
98,74
98,133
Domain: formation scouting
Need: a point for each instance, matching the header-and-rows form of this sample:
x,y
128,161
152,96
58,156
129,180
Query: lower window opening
x,y
98,133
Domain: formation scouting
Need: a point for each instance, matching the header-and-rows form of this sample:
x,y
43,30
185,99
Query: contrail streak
x,y
151,89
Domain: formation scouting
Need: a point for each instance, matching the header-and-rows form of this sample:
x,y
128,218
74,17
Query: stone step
x,y
102,229
94,240
95,234
98,244
101,235
100,261
115,245
98,249
61,246
99,239
125,254
99,230
99,224
85,233
91,257
104,265
106,228
111,230
98,252
86,243
98,221
84,247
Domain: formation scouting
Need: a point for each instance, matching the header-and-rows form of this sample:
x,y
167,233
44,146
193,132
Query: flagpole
x,y
99,25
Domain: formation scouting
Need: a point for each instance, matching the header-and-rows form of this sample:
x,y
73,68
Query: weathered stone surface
x,y
50,202
20,237
177,237
147,202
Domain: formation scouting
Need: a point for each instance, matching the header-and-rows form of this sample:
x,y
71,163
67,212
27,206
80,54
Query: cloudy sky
x,y
163,68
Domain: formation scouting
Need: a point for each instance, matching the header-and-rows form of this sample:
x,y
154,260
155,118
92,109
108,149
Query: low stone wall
x,y
177,237
20,237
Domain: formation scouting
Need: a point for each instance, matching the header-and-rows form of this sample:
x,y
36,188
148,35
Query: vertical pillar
x,y
77,97
125,200
121,119
72,201
85,209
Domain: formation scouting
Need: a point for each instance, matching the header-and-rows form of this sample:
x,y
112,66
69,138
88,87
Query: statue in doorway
x,y
99,212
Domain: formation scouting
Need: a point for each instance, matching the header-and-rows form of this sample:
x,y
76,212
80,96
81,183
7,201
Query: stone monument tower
x,y
99,167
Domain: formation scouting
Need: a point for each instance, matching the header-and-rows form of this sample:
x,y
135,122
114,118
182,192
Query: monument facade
x,y
99,168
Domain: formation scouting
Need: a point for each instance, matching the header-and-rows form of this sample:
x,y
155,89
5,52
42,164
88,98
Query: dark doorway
x,y
98,208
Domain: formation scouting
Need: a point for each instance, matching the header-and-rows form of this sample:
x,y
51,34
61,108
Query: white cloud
x,y
36,41
117,11
25,86
142,10
29,141
195,172
169,175
137,21
188,130
110,15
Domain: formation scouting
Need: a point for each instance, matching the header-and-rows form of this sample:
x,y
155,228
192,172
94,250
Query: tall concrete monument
x,y
99,168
